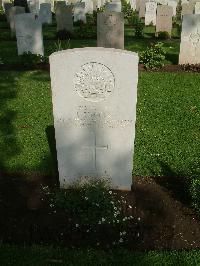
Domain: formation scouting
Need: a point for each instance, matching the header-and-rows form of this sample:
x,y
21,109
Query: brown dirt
x,y
164,221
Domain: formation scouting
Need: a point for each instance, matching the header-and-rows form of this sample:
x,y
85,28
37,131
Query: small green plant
x,y
93,209
29,59
195,194
163,35
153,57
61,45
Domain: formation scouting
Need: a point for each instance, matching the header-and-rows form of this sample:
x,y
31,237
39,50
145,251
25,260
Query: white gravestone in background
x,y
88,6
45,15
197,8
80,12
94,97
190,40
29,34
150,13
113,6
173,4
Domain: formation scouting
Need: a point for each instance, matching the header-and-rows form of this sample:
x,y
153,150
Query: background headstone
x,y
142,8
197,8
110,30
29,34
79,12
150,13
64,19
45,14
164,18
173,4
7,6
113,7
187,9
88,6
15,10
94,105
190,40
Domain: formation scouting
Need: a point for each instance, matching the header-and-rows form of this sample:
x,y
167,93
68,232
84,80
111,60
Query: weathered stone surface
x,y
150,13
94,105
7,6
88,6
190,40
142,8
173,4
64,19
187,9
29,34
113,7
110,30
80,12
197,8
164,19
15,10
45,15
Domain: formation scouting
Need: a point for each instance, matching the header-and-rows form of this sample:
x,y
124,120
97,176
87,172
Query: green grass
x,y
167,128
32,256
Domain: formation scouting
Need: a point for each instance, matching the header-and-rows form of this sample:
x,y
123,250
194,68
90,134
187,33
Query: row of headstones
x,y
28,29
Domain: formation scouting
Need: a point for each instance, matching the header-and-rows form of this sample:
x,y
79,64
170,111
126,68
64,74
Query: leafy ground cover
x,y
11,255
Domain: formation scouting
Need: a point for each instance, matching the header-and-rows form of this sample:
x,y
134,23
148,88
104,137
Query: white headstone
x,y
173,4
150,13
79,12
29,34
113,6
190,40
197,8
45,15
94,105
88,6
34,6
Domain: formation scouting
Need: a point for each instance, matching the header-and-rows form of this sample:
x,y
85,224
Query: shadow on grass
x,y
176,182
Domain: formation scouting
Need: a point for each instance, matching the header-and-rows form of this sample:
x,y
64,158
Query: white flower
x,y
110,192
103,219
86,198
121,240
77,225
99,222
139,218
130,206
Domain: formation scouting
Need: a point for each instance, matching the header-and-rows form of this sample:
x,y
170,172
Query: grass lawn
x,y
11,255
167,129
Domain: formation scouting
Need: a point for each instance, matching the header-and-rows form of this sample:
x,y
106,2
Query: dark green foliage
x,y
153,57
129,14
195,194
92,18
139,27
163,35
63,35
29,59
85,31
